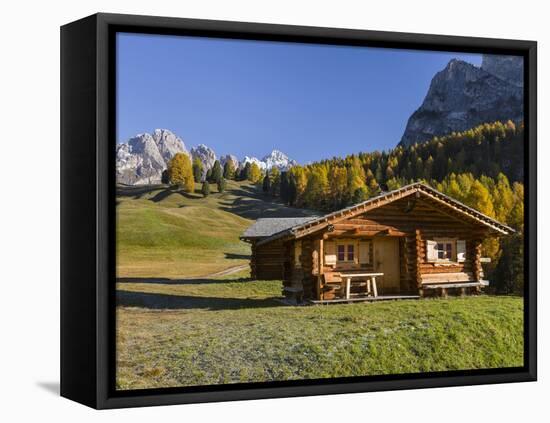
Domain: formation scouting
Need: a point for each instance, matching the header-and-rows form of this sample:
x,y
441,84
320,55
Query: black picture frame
x,y
88,209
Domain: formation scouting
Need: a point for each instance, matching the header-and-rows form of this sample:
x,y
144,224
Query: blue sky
x,y
249,97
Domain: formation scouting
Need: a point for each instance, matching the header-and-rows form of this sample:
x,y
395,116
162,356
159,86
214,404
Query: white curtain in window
x,y
431,252
460,250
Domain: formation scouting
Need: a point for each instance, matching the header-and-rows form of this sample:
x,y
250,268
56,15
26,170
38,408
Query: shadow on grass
x,y
168,281
156,301
136,191
161,195
234,256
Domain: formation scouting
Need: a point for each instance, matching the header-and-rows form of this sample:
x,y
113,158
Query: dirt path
x,y
225,272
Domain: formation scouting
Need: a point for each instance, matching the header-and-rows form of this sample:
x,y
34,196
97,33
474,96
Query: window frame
x,y
445,241
346,245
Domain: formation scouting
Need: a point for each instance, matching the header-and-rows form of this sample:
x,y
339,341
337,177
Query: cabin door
x,y
386,261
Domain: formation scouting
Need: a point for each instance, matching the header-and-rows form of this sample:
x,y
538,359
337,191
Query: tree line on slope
x,y
481,167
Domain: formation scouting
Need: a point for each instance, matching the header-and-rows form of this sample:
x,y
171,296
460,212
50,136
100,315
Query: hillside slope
x,y
165,233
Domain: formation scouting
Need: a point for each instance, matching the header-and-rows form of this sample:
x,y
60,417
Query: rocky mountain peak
x,y
278,159
460,97
205,154
142,158
251,159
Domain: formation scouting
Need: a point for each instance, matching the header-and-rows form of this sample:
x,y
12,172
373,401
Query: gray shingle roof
x,y
269,226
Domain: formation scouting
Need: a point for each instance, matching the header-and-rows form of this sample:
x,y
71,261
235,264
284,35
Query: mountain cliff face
x,y
508,68
462,96
143,158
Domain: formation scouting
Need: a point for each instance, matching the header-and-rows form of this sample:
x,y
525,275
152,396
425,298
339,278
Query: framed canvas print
x,y
254,211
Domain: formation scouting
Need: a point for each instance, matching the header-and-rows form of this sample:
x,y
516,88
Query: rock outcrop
x,y
206,155
462,96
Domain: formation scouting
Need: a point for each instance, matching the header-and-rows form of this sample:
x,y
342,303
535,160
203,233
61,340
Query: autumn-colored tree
x,y
479,198
255,173
180,172
229,170
300,182
275,177
338,186
316,188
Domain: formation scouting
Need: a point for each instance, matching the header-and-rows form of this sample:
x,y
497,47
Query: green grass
x,y
177,325
234,330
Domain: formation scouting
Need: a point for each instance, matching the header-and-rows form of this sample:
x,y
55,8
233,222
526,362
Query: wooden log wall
x,y
268,261
419,256
307,267
476,258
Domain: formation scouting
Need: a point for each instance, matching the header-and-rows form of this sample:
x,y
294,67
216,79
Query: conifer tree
x,y
245,172
275,176
217,172
292,190
197,169
221,185
284,187
361,194
165,178
266,184
229,170
205,190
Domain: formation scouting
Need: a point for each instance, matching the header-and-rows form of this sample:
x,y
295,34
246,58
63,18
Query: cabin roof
x,y
268,226
311,225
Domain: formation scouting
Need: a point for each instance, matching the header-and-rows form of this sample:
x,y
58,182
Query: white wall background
x,y
29,206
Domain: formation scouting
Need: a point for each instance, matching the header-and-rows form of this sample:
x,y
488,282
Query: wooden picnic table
x,y
370,277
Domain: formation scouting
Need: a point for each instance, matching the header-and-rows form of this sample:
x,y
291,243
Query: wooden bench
x,y
332,284
455,277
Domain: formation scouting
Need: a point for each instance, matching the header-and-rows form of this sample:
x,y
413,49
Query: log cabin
x,y
407,243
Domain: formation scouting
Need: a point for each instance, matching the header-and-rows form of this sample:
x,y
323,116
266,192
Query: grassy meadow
x,y
183,319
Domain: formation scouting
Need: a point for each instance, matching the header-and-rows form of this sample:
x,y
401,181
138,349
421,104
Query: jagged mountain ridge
x,y
143,158
462,96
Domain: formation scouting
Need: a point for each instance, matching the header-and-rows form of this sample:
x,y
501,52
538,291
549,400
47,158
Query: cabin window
x,y
345,252
446,250
350,253
341,252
